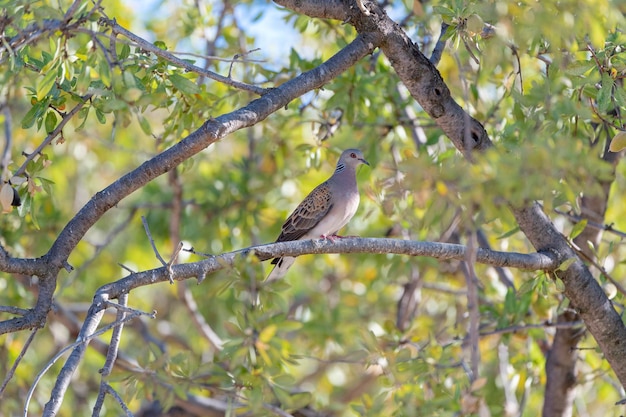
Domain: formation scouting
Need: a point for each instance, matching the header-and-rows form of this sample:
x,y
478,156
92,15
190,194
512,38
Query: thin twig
x,y
8,140
192,307
237,56
99,248
129,310
156,252
472,304
435,57
520,328
606,227
142,43
117,397
11,372
217,58
72,9
14,310
111,354
603,270
22,169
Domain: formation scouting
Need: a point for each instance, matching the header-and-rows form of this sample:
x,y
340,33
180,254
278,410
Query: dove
x,y
327,209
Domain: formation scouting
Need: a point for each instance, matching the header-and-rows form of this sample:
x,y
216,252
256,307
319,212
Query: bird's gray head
x,y
351,158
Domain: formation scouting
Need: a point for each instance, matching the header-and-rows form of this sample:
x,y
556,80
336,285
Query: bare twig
x,y
156,252
11,372
524,327
192,307
14,310
435,57
111,355
8,141
600,268
98,250
472,304
605,227
114,394
237,57
218,58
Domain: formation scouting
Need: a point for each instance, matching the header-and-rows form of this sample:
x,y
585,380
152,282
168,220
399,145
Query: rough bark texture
x,y
561,368
562,357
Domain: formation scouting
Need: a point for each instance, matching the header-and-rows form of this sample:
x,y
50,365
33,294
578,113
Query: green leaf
x,y
160,45
145,125
604,95
444,11
509,233
27,202
578,68
510,301
105,73
620,95
46,84
124,52
100,116
33,114
51,121
184,85
267,333
578,228
566,264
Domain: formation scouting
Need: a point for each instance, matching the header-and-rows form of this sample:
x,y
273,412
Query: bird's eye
x,y
352,155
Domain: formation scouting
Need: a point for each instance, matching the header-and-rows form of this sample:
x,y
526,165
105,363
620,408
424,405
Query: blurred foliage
x,y
545,78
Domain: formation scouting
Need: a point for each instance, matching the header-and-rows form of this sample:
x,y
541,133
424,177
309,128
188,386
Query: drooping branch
x,y
148,46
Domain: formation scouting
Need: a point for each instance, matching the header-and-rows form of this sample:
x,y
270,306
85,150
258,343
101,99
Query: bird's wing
x,y
308,214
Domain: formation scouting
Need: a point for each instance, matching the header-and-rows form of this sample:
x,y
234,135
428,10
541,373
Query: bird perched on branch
x,y
323,212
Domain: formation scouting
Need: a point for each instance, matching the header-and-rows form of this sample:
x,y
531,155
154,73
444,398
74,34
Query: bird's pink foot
x,y
334,237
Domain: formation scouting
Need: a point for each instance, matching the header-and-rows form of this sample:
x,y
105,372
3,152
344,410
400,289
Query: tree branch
x,y
148,46
442,251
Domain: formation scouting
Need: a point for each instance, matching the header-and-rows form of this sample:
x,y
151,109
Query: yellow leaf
x,y
267,333
618,142
442,189
6,198
478,384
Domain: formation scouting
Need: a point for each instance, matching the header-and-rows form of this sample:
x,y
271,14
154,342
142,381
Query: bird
x,y
322,213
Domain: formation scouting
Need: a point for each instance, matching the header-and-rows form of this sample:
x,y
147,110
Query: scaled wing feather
x,y
307,215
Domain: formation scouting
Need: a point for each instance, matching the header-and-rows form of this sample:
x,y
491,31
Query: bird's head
x,y
352,158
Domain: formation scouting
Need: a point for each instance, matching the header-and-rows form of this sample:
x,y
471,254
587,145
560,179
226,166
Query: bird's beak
x,y
364,161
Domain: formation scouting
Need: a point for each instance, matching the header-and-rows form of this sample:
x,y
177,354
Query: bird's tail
x,y
282,266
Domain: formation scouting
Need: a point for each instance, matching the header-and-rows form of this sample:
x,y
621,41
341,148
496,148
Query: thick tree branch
x,y
442,251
